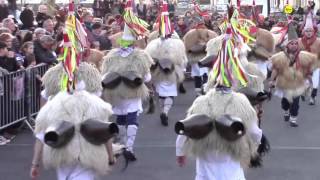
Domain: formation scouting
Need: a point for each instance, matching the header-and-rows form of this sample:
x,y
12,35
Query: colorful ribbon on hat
x,y
165,28
138,26
227,69
74,41
241,27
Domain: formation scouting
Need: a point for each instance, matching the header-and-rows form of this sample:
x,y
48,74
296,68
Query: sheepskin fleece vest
x,y
75,108
138,61
315,49
292,77
173,50
85,72
215,104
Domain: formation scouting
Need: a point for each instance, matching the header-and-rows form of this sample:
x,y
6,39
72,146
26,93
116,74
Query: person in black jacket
x,y
142,10
4,10
27,18
7,59
42,15
43,50
103,41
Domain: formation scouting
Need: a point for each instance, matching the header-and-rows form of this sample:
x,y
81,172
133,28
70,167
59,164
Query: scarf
x,y
307,42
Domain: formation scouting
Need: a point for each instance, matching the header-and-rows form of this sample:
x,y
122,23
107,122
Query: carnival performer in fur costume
x,y
72,132
195,42
309,42
255,75
170,60
73,128
221,128
290,70
125,71
262,49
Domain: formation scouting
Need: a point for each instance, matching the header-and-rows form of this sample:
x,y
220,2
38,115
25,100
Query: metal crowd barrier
x,y
20,95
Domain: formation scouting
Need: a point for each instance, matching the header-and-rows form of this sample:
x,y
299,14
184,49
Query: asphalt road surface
x,y
295,153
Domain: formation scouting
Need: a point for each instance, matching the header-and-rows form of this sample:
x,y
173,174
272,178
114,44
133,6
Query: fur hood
x,y
215,104
75,108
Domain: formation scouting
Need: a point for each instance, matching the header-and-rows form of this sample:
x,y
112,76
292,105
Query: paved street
x,y
295,153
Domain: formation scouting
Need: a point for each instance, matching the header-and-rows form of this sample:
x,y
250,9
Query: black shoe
x,y
286,117
303,98
293,124
129,155
164,119
182,90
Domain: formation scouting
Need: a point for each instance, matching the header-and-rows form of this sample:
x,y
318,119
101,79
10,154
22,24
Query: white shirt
x,y
263,67
198,71
75,172
166,89
124,106
71,172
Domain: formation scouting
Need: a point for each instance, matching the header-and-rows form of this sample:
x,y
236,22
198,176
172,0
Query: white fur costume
x,y
78,153
255,76
173,50
126,100
217,158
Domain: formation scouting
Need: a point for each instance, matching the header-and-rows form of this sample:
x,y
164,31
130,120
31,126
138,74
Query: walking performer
x,y
221,129
73,128
195,42
170,60
125,71
291,69
311,43
255,76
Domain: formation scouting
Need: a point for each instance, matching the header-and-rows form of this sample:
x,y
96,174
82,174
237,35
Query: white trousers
x,y
315,78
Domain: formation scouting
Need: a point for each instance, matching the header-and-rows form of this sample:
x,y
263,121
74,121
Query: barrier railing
x,y
20,95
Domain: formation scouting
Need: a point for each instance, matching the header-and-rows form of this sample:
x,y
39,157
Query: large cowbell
x,y
198,126
59,135
97,132
94,131
230,127
130,78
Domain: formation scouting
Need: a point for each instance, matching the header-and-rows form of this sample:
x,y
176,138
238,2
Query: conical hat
x,y
127,34
309,22
292,33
